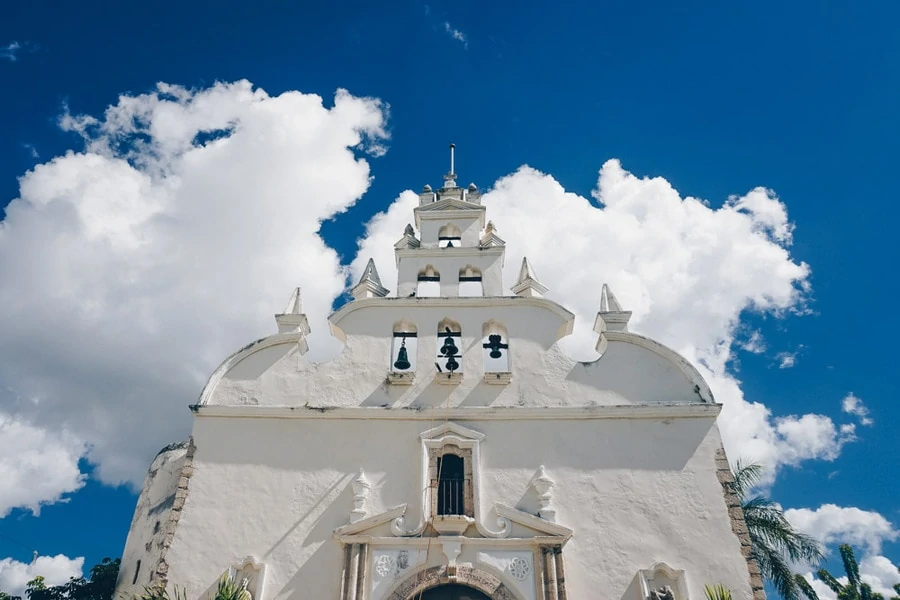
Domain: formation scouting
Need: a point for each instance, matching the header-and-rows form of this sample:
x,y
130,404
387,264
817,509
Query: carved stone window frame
x,y
463,442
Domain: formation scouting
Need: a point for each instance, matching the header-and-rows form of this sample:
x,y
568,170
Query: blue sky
x,y
717,99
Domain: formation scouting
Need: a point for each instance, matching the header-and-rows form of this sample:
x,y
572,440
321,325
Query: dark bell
x,y
449,348
452,365
402,362
494,340
495,344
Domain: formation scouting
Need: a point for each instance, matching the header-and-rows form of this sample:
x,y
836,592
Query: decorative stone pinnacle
x,y
611,317
527,285
543,485
369,285
292,320
361,488
295,303
409,230
608,300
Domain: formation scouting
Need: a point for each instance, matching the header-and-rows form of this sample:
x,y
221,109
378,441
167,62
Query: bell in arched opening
x,y
402,362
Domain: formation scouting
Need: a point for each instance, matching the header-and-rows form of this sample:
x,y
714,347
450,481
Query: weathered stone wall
x,y
155,520
738,525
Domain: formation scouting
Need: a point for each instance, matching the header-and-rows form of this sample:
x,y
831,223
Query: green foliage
x,y
775,544
717,592
159,592
100,586
854,589
227,590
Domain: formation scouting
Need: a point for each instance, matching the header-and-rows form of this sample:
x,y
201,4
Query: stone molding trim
x,y
160,574
413,586
678,410
738,525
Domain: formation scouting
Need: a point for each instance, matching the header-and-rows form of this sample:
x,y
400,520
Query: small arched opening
x,y
495,346
470,282
449,347
429,283
449,236
403,347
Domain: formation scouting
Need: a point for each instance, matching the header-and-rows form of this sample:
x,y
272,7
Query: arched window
x,y
496,348
403,348
451,485
429,285
470,282
449,347
449,236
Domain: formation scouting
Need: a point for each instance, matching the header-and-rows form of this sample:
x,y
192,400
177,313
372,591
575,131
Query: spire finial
x,y
452,157
608,300
527,284
369,285
450,178
611,316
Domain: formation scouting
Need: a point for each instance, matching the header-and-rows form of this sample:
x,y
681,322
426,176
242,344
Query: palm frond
x,y
805,587
717,592
768,527
850,564
746,476
777,571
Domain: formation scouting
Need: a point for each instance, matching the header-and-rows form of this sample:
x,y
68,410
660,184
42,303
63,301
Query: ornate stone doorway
x,y
453,592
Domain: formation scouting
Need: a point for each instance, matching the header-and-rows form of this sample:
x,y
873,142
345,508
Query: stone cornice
x,y
473,413
455,252
456,302
435,212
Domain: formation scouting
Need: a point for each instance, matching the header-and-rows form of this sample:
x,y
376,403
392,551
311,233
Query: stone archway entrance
x,y
454,592
472,583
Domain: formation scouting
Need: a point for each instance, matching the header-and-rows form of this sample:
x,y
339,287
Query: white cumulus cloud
x,y
832,524
36,467
134,267
853,405
687,271
55,570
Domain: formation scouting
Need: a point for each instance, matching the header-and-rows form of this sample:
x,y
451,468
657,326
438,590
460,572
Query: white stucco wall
x,y
635,491
150,522
448,262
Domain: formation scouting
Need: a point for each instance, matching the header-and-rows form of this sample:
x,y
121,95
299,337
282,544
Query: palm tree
x,y
854,589
775,544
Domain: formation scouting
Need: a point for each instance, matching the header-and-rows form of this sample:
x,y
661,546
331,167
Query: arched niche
x,y
404,347
449,346
449,236
495,346
470,283
429,282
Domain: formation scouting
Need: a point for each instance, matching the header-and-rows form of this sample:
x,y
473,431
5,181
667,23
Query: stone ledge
x,y
401,378
498,378
454,378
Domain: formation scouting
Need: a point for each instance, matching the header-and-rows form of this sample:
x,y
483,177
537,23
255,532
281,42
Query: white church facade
x,y
451,451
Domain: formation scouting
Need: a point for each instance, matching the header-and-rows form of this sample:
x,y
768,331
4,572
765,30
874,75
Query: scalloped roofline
x,y
684,365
